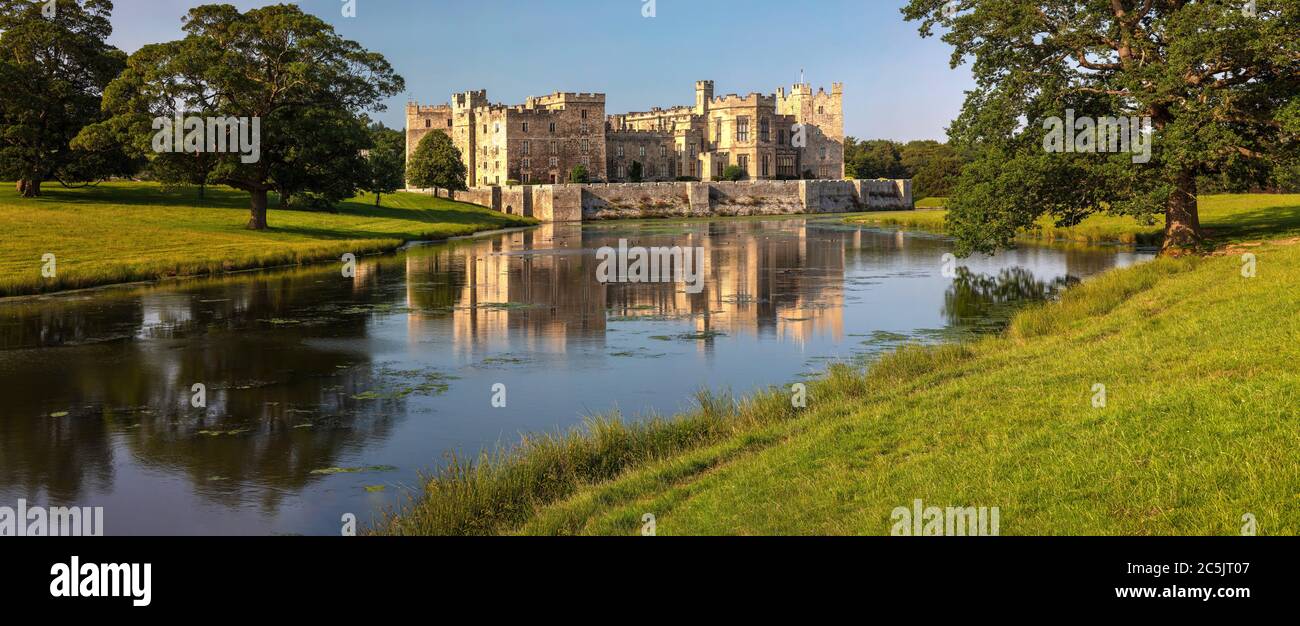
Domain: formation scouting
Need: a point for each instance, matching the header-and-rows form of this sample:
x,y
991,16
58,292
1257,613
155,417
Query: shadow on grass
x,y
433,210
133,195
1264,223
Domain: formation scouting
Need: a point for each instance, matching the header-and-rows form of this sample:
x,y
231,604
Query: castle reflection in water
x,y
540,287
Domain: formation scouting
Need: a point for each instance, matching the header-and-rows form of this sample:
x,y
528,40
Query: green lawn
x,y
1229,218
122,232
1199,427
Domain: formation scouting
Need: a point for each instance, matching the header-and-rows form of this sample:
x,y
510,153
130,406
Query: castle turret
x,y
703,94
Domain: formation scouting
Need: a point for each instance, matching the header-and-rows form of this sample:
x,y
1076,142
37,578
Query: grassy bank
x,y
1197,430
1229,218
123,232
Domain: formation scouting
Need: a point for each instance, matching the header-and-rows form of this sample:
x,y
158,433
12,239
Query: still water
x,y
329,395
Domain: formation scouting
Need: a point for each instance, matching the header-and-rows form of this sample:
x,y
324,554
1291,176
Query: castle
x,y
769,137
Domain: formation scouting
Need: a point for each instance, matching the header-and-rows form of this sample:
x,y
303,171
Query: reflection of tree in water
x,y
55,456
251,437
121,366
981,303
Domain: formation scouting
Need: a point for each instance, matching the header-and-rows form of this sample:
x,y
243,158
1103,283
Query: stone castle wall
x,y
572,203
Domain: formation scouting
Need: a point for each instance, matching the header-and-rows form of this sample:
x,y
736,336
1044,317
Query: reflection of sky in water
x,y
307,371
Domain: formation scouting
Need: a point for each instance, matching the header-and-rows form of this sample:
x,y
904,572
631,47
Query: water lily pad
x,y
224,433
330,471
708,334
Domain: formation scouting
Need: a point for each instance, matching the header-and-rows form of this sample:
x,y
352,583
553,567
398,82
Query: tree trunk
x,y
257,218
1182,217
377,197
29,188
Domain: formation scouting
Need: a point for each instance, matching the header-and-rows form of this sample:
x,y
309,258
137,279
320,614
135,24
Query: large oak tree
x,y
54,66
1219,80
291,70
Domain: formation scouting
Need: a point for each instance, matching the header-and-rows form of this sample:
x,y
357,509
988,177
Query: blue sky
x,y
897,85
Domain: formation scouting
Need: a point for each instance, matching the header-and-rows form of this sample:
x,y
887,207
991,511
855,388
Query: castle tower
x,y
831,111
464,120
703,94
823,113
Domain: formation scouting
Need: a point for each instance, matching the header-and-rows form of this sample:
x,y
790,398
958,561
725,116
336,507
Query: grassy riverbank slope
x,y
123,232
1198,429
1229,218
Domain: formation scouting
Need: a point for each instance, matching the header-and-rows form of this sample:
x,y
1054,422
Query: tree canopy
x,y
1218,82
277,66
873,158
437,164
321,160
54,67
385,162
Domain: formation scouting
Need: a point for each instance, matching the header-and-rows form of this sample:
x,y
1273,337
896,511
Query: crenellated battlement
x,y
414,108
566,98
613,134
734,100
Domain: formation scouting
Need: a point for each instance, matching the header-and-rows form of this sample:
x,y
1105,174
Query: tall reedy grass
x,y
501,490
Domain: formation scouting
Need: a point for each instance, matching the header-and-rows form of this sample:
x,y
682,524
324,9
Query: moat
x,y
328,395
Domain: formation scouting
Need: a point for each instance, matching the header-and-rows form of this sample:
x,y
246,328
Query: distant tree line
x,y
934,167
